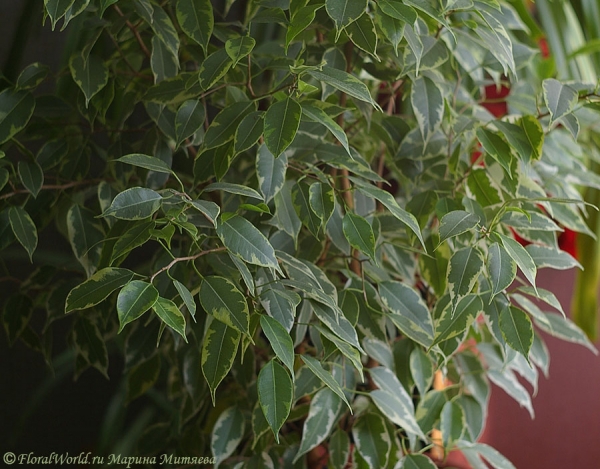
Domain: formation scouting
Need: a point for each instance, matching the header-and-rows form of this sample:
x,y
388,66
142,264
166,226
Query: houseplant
x,y
295,220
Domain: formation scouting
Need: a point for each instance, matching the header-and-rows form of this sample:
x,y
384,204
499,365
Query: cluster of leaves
x,y
300,209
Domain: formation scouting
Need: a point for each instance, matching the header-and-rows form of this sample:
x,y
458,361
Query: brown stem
x,y
183,259
134,31
51,187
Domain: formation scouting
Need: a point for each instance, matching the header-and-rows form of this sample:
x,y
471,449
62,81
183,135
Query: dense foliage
x,y
296,219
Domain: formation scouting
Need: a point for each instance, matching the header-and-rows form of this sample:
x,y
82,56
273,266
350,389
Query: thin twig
x,y
52,187
135,32
183,259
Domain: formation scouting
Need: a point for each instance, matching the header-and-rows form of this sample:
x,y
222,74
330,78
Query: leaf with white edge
x,y
392,28
319,115
325,376
334,319
409,312
301,20
452,423
31,176
270,172
227,433
236,189
214,67
521,257
301,201
57,9
495,33
398,10
490,454
429,409
428,105
416,461
322,200
85,236
147,162
324,408
280,340
457,222
497,148
23,228
97,288
162,62
282,120
223,127
545,295
280,304
517,330
363,34
186,296
249,131
135,299
546,256
465,266
501,268
347,350
339,448
378,349
221,298
286,217
483,187
507,380
243,239
90,74
344,12
344,82
164,28
16,108
372,439
196,20
219,349
455,323
390,203
239,47
275,394
559,98
421,369
534,133
135,203
359,233
189,118
171,315
558,326
207,208
531,221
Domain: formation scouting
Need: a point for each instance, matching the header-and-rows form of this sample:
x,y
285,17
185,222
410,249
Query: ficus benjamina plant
x,y
297,221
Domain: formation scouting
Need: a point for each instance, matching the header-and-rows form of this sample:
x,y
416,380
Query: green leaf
x,y
189,118
497,148
319,115
24,229
57,9
478,450
135,236
534,133
457,222
465,267
89,343
416,461
334,319
339,448
270,172
409,312
186,297
32,76
249,131
196,20
282,120
169,313
501,268
451,324
243,239
372,439
301,201
214,67
31,176
359,234
239,47
163,27
16,314
347,350
227,433
285,212
517,330
324,408
390,203
280,340
325,376
483,187
207,208
344,82
429,409
97,288
135,203
85,236
363,34
398,10
452,423
220,297
280,304
322,200
90,74
560,99
135,299
237,189
16,108
392,28
147,162
546,256
275,394
219,349
162,62
300,21
344,12
521,257
428,105
223,127
421,369
435,267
